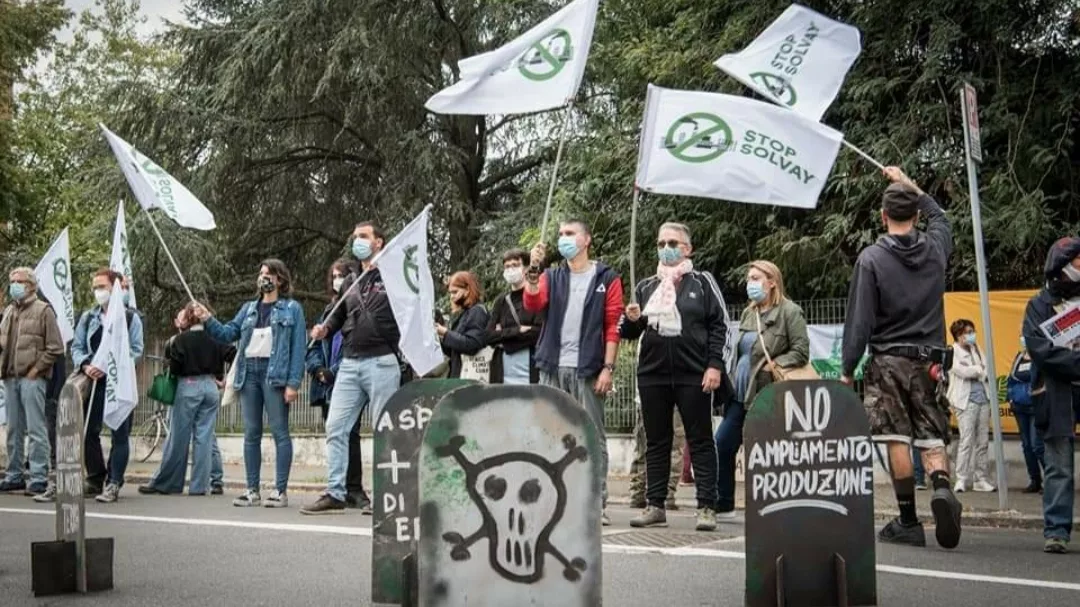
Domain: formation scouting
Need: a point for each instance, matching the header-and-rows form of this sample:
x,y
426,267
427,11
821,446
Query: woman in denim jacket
x,y
269,369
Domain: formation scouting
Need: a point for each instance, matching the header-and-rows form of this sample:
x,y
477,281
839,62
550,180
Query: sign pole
x,y
633,243
973,154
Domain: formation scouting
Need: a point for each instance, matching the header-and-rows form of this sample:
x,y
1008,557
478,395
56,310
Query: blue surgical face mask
x,y
756,291
568,247
669,256
17,290
969,339
361,248
127,298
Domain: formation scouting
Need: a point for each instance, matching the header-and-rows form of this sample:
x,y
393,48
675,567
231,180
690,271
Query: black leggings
x,y
695,407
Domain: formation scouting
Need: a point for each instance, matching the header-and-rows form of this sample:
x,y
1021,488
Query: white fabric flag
x,y
536,71
114,357
156,189
120,260
732,148
403,265
53,274
799,61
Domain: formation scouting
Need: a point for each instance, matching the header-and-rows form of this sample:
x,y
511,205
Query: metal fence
x,y
619,410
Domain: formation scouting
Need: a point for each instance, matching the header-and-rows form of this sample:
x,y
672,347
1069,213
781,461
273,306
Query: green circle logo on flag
x,y
547,58
61,274
698,137
777,85
410,270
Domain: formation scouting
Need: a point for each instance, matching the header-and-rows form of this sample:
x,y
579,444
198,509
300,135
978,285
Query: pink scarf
x,y
661,310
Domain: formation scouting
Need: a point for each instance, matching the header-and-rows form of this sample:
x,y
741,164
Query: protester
x,y
198,363
969,398
323,364
683,332
637,465
1018,393
512,329
1055,381
582,303
103,479
369,371
467,333
772,334
269,369
896,307
30,344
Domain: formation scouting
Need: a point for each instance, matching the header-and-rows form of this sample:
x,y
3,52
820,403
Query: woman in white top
x,y
969,398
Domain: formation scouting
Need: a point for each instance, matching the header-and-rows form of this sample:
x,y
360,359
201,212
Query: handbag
x,y
163,388
231,396
477,367
780,374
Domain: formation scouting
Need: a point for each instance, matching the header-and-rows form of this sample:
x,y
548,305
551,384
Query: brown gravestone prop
x,y
809,498
396,508
510,481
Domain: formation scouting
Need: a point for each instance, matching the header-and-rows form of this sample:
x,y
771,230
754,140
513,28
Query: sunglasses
x,y
674,244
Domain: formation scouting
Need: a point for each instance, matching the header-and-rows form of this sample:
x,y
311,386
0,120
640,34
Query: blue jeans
x,y
581,390
516,368
1058,488
359,382
258,396
193,417
25,404
120,451
729,437
217,470
1033,445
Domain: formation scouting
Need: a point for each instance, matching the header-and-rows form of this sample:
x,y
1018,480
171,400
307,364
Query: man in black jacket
x,y
369,371
683,331
896,307
512,328
1055,383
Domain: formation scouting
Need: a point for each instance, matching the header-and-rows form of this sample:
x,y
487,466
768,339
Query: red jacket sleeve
x,y
613,309
539,302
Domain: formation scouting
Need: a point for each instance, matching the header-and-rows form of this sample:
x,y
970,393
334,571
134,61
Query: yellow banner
x,y
1007,320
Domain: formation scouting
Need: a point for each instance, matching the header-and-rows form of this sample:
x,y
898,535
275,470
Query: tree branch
x,y
515,170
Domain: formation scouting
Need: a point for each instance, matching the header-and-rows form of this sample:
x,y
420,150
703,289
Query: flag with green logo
x,y
536,71
53,274
120,260
406,275
799,61
113,356
156,189
826,351
732,148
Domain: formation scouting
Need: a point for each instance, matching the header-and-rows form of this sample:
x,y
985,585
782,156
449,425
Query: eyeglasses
x,y
674,244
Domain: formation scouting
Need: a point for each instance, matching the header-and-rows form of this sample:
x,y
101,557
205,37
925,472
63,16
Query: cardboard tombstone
x,y
510,482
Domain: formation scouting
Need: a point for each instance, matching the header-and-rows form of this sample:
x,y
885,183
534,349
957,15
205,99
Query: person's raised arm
x,y
224,332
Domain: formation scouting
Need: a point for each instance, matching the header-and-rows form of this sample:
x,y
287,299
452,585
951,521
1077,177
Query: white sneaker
x,y
110,494
277,499
48,496
729,515
959,488
982,486
249,499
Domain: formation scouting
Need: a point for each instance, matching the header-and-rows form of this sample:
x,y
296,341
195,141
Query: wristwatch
x,y
609,367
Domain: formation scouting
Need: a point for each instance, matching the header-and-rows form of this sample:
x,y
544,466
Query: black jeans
x,y
354,476
695,407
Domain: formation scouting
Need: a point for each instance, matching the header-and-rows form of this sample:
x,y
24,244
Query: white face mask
x,y
514,276
101,296
1071,272
340,280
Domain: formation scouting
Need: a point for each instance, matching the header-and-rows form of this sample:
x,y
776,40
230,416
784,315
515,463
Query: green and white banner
x,y
539,70
53,274
826,343
800,60
120,260
733,148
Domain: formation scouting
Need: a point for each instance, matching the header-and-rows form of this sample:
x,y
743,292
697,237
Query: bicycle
x,y
149,434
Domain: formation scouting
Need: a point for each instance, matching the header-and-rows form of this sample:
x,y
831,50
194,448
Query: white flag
x,y
536,71
732,148
114,357
156,189
120,260
799,61
403,265
53,274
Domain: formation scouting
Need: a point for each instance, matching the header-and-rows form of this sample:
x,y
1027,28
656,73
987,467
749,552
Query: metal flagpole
x,y
555,170
633,243
168,254
971,135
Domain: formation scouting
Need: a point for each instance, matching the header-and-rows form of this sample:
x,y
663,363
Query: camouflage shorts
x,y
901,402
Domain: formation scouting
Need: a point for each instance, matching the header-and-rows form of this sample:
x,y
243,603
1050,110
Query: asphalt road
x,y
202,551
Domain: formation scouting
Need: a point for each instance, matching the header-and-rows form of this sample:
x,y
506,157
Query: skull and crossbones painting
x,y
522,497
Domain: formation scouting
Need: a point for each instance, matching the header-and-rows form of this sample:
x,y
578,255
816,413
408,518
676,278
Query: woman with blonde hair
x,y
467,333
772,340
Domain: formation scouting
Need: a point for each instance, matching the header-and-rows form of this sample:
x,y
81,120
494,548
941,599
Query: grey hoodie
x,y
897,289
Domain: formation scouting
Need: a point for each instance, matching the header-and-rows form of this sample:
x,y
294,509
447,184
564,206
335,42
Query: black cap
x,y
900,202
1061,254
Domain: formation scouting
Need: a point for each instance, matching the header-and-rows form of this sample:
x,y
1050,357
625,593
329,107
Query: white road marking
x,y
608,548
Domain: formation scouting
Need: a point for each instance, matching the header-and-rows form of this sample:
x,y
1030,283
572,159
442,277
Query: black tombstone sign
x,y
72,563
398,434
809,498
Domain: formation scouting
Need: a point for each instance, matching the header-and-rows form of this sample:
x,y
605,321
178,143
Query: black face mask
x,y
266,284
